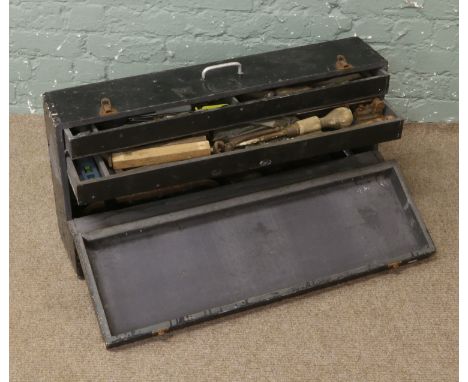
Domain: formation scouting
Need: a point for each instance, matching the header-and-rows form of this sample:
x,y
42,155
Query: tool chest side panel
x,y
131,135
156,91
60,185
196,273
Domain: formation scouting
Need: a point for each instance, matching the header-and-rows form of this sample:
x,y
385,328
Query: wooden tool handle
x,y
305,126
337,118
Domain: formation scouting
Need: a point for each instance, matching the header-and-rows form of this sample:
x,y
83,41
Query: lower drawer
x,y
112,185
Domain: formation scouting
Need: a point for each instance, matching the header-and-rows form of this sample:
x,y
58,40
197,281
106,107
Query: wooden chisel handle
x,y
335,119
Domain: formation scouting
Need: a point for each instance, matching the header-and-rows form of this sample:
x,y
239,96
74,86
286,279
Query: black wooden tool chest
x,y
167,245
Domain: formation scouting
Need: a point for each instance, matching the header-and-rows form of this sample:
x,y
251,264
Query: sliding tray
x,y
149,178
150,274
97,141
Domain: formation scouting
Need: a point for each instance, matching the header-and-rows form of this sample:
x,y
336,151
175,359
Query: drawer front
x,y
152,177
201,122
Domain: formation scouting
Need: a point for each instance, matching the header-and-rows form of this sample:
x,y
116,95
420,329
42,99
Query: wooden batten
x,y
170,152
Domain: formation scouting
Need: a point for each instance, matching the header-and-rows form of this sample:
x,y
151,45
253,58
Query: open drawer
x,y
112,185
97,139
160,266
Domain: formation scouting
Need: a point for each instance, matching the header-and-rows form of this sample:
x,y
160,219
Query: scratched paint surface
x,y
191,265
57,44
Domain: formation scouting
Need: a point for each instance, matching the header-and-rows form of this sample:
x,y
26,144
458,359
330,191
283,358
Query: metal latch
x,y
106,107
372,110
341,63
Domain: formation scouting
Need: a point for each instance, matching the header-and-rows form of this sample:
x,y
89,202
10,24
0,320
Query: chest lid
x,y
158,268
171,88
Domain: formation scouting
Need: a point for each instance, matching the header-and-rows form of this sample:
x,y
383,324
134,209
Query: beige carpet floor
x,y
396,326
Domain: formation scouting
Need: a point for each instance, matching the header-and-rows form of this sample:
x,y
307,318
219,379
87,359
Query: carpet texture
x,y
395,326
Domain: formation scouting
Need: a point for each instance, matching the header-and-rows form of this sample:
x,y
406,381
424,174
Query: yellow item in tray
x,y
210,107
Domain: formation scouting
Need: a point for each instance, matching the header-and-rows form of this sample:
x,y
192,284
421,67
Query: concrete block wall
x,y
62,43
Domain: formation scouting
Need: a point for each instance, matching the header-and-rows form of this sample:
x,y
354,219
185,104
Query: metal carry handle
x,y
220,66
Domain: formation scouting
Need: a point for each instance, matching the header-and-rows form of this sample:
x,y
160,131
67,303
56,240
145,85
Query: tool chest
x,y
191,193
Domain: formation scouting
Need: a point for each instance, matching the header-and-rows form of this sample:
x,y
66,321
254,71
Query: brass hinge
x,y
341,63
106,107
394,265
160,332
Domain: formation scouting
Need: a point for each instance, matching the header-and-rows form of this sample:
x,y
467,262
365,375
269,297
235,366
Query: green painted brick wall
x,y
62,43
